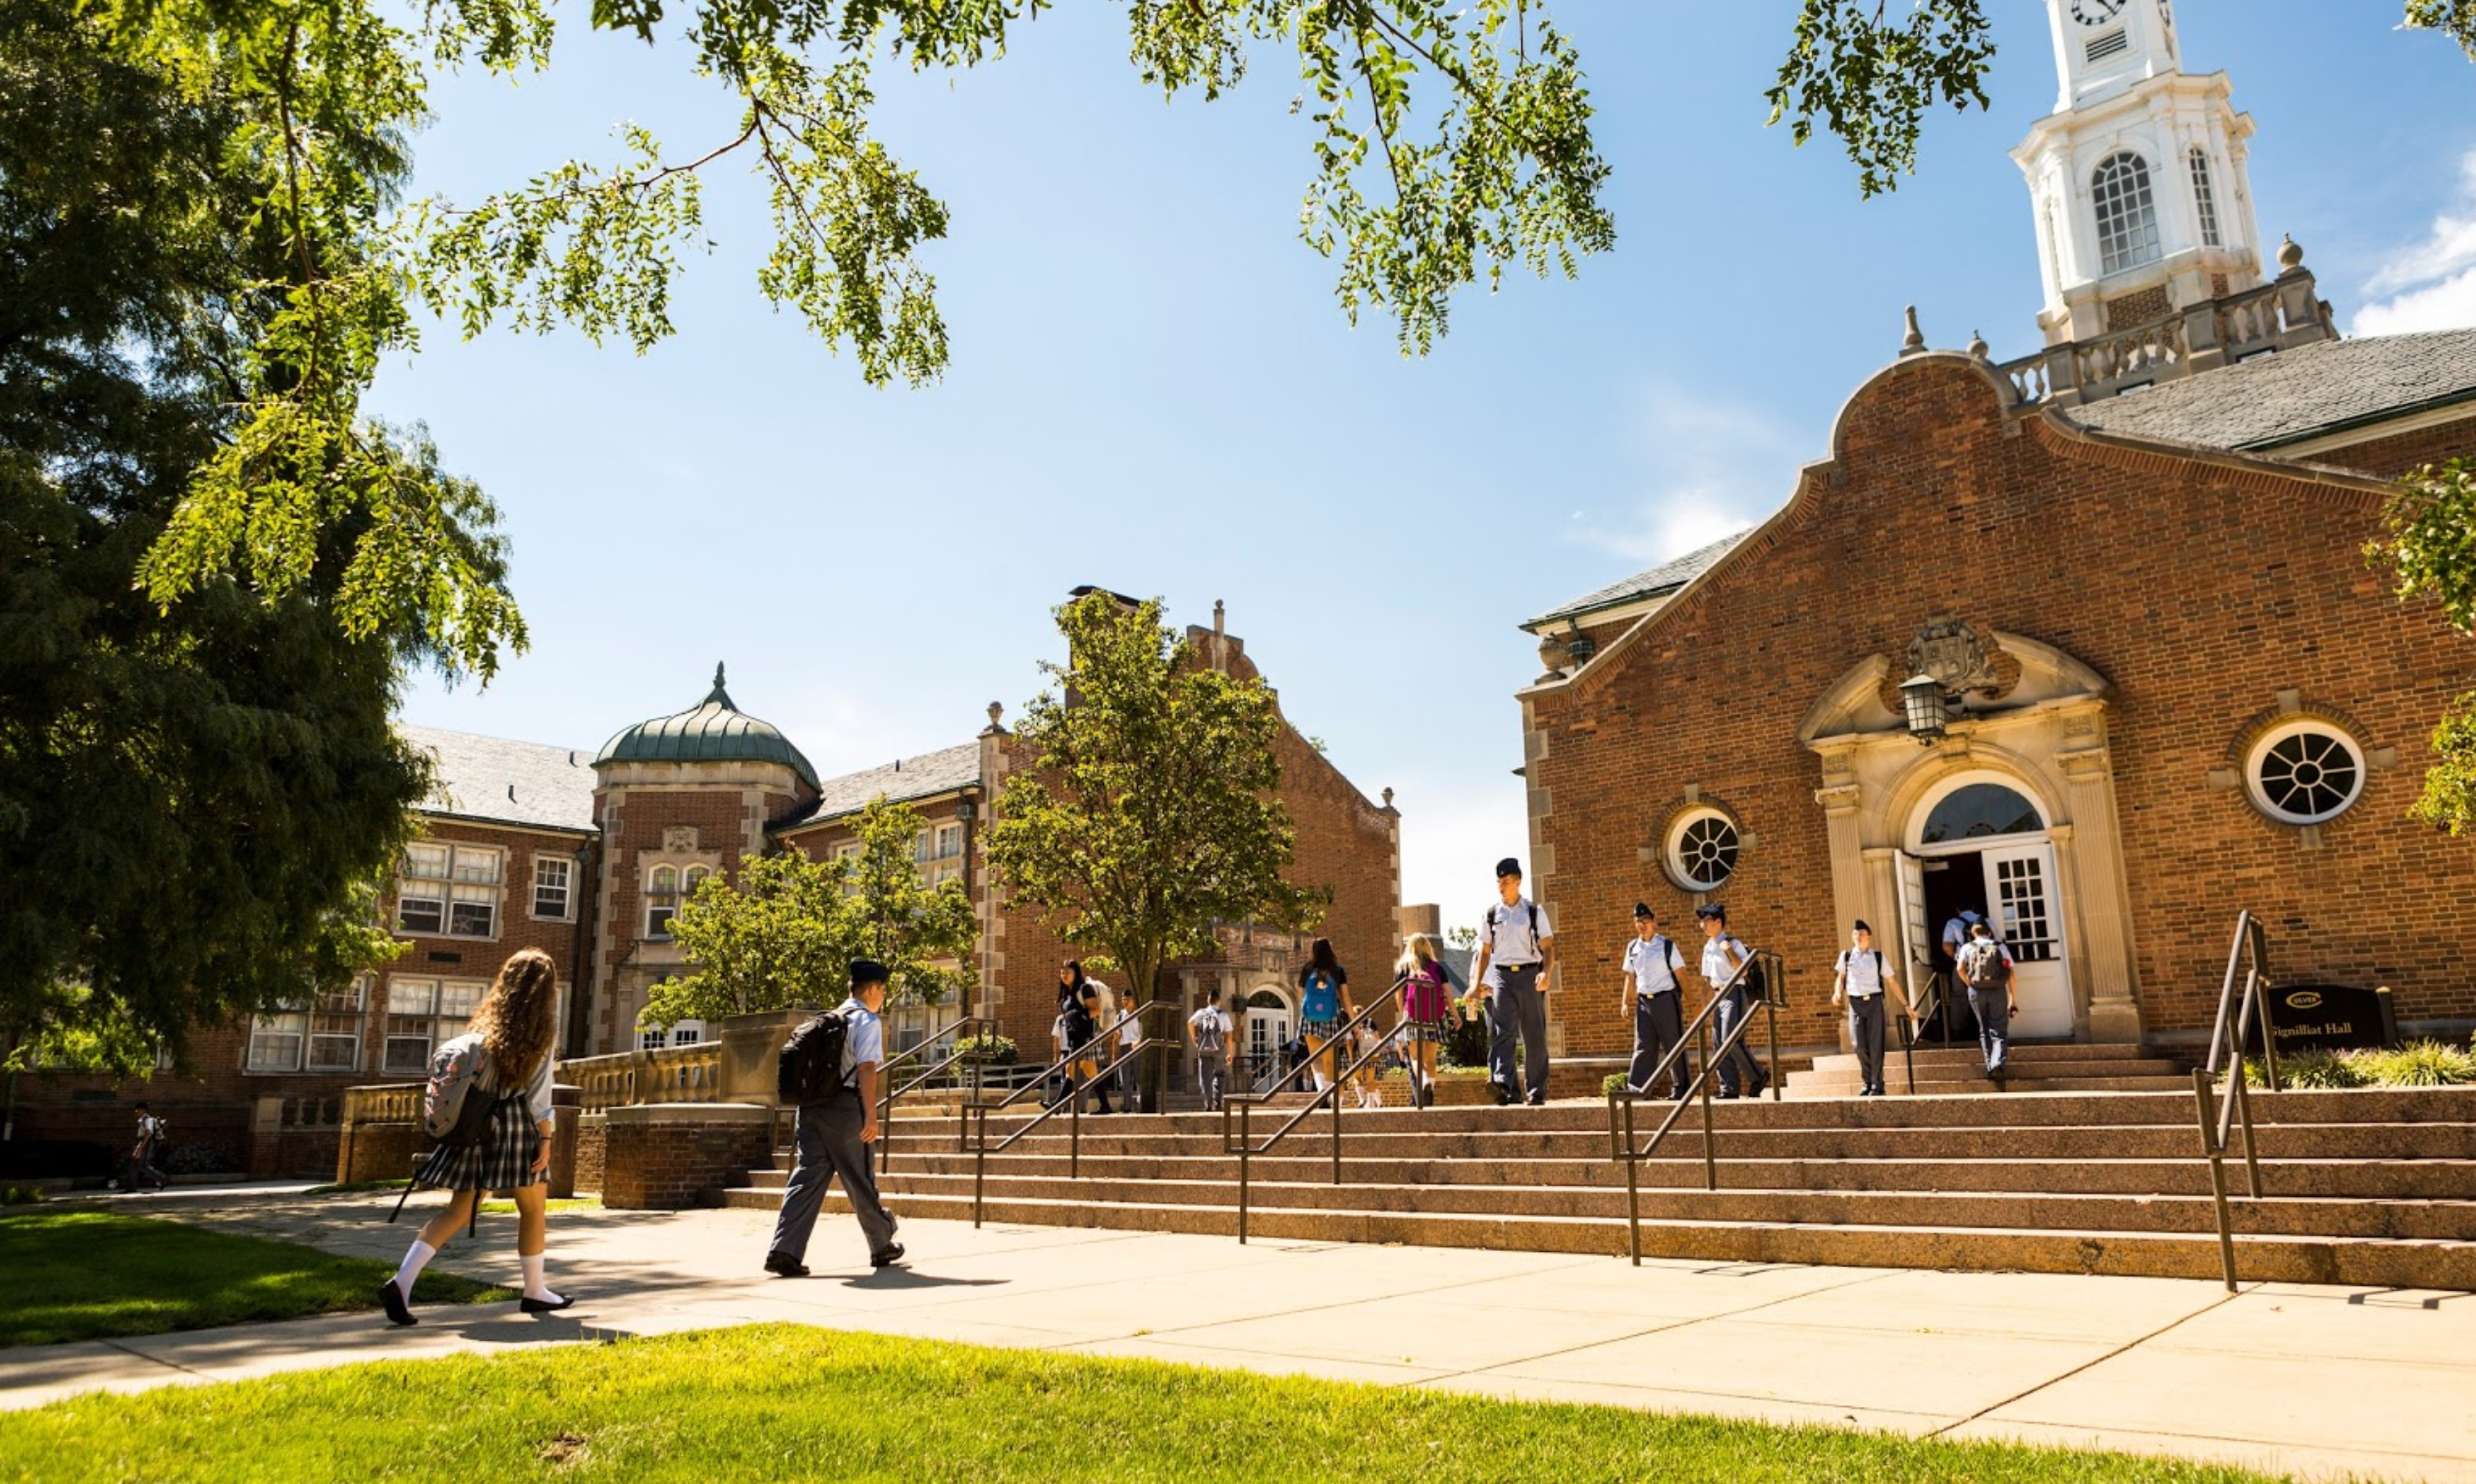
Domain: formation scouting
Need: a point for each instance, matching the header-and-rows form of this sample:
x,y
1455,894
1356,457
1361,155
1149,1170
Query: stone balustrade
x,y
2272,316
626,1080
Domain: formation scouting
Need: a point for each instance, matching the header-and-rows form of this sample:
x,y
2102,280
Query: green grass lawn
x,y
787,1403
94,1274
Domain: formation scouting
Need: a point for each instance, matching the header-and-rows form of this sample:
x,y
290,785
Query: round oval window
x,y
2305,772
1702,850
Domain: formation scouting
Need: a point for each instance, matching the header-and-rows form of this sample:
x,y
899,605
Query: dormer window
x,y
2128,217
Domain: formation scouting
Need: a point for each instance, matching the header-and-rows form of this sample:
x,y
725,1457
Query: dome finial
x,y
720,696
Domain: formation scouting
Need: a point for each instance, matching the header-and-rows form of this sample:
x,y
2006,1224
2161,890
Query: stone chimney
x,y
1427,917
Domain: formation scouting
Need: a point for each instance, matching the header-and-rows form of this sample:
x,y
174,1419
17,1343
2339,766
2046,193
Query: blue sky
x,y
1152,389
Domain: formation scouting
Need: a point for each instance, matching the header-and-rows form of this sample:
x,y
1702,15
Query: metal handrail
x,y
2249,956
891,1092
975,1114
1921,1009
1620,1101
1245,1150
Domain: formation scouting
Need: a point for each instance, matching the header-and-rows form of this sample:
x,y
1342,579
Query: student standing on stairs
x,y
1324,1007
1986,968
1651,964
1860,981
1215,1047
1723,955
832,1137
1426,993
1515,951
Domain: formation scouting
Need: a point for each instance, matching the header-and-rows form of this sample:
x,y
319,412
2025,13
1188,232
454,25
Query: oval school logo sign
x,y
2304,1000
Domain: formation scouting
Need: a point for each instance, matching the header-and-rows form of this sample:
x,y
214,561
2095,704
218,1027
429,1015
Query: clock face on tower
x,y
2097,12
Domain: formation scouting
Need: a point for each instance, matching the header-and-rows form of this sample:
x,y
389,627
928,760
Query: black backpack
x,y
811,1068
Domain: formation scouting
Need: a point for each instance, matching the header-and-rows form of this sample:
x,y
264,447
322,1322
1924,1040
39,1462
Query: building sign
x,y
2328,1017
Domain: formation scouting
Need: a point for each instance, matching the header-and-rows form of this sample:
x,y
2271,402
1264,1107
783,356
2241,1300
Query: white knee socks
x,y
534,1288
416,1258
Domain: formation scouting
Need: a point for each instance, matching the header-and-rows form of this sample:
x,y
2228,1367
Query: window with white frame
x,y
950,841
947,874
2305,772
323,1035
423,1013
661,900
1702,845
2204,202
2127,216
921,843
449,890
553,878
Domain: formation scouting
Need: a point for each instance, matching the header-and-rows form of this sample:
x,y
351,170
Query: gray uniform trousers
x,y
1209,1071
1737,1071
830,1148
1993,1007
1517,1012
1866,1034
1657,1025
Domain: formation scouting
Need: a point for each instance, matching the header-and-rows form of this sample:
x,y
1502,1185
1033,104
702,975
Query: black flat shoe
x,y
888,1258
391,1298
544,1305
784,1267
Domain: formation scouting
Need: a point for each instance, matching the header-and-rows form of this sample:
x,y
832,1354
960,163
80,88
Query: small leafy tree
x,y
1150,810
2430,549
784,931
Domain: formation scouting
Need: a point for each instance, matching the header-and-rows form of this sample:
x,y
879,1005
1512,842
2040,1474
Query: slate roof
x,y
2323,387
494,780
913,777
1666,578
713,731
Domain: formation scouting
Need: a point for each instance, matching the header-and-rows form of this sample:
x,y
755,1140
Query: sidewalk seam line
x,y
2129,1345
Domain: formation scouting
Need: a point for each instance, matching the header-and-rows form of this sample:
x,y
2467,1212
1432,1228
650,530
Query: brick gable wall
x,y
2201,588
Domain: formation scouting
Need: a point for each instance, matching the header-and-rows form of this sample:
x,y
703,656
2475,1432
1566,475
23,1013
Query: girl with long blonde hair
x,y
1426,999
512,1028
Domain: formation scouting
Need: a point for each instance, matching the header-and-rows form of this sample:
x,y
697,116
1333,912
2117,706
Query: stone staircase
x,y
2366,1187
2078,1068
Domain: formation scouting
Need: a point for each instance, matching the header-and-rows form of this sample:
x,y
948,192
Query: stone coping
x,y
690,1113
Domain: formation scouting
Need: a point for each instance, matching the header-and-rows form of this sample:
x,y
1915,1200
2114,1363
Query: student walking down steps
x,y
503,1061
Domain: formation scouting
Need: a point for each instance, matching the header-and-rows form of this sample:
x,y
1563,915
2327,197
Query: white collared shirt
x,y
1861,972
865,1043
1653,962
1512,942
1716,967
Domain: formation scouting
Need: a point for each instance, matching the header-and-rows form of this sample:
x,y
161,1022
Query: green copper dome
x,y
713,731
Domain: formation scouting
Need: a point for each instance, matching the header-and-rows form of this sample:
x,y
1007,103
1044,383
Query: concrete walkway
x,y
2308,1380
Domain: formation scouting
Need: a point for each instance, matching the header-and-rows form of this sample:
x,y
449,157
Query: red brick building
x,y
2129,565
586,856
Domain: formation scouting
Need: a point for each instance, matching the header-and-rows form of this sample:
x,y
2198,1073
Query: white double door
x,y
2026,906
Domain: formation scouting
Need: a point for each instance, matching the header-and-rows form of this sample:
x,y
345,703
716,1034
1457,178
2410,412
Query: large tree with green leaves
x,y
1450,138
1148,808
785,931
197,807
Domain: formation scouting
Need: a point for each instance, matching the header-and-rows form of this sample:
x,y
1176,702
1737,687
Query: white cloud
x,y
2431,286
1709,468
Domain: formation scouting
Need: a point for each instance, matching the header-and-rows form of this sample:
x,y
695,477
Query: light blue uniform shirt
x,y
865,1046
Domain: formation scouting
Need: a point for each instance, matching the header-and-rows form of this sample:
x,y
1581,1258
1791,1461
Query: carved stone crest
x,y
678,839
1953,651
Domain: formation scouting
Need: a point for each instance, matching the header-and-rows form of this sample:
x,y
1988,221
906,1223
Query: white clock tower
x,y
2138,178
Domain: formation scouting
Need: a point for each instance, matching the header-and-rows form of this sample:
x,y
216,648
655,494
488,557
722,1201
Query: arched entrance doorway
x,y
1979,842
1271,1023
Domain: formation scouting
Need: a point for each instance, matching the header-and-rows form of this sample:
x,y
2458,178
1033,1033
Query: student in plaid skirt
x,y
514,1024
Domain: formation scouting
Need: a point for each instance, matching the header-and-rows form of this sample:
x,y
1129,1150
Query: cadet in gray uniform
x,y
1651,963
1986,968
1511,970
1860,979
1723,953
833,1137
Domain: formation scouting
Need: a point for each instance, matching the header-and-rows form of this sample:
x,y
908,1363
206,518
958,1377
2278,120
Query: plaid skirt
x,y
1321,1030
502,1161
